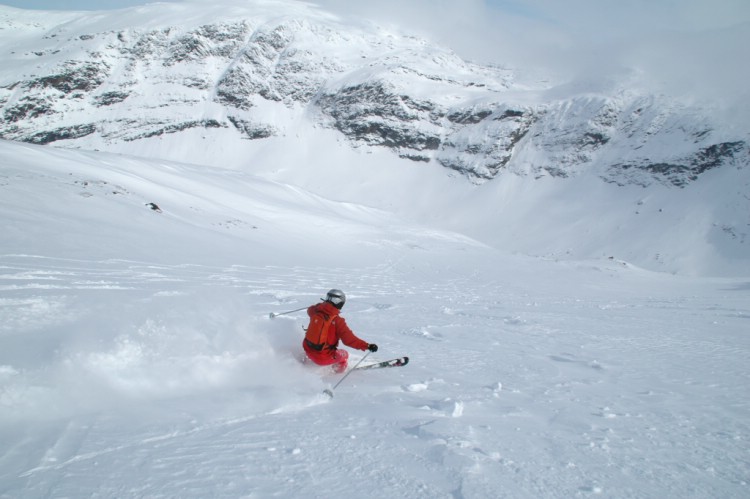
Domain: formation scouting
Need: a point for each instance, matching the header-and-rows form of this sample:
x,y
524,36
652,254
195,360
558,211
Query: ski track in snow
x,y
623,385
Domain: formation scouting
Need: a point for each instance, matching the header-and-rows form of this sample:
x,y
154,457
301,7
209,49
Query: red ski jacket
x,y
337,330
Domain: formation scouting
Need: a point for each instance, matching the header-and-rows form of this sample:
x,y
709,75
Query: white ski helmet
x,y
336,297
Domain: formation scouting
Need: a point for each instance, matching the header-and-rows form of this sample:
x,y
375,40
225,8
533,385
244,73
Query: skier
x,y
326,328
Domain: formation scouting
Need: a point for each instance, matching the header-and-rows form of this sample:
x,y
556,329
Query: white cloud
x,y
694,49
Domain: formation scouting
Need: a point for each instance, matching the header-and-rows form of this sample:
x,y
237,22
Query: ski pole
x,y
276,314
330,392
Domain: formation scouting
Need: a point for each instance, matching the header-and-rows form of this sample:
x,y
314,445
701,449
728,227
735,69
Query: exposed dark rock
x,y
373,113
252,130
469,117
236,89
593,139
681,172
65,133
74,75
415,157
371,99
109,98
28,107
382,134
268,68
509,113
147,46
556,172
220,40
177,127
716,155
480,157
464,167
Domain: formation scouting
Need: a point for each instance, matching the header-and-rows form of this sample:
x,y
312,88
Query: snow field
x,y
138,359
175,382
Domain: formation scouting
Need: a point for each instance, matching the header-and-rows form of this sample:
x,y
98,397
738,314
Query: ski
x,y
401,361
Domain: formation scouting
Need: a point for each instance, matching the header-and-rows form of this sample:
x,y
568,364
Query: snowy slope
x,y
373,116
137,358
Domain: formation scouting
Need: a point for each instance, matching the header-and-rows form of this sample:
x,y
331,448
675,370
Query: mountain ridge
x,y
253,75
362,114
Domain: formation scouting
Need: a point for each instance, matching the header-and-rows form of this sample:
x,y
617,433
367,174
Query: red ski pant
x,y
337,359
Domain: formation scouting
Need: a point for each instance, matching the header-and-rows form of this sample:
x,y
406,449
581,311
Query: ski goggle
x,y
337,298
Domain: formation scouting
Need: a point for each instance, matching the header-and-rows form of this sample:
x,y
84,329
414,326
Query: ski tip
x,y
406,360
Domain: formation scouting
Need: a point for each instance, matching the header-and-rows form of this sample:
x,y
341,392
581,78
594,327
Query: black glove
x,y
372,347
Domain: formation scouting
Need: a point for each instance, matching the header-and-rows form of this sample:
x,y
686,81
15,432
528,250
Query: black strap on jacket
x,y
318,346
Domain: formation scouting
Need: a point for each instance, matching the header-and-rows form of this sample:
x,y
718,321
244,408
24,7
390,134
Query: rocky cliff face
x,y
104,79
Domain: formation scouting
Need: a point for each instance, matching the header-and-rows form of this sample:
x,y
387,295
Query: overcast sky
x,y
691,47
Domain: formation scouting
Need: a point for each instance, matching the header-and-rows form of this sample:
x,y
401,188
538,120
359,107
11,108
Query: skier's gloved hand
x,y
372,347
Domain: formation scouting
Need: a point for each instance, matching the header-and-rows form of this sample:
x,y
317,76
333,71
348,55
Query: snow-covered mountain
x,y
254,72
278,87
